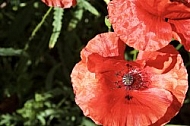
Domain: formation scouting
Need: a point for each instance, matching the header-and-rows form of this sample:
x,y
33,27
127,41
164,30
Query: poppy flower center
x,y
127,79
132,78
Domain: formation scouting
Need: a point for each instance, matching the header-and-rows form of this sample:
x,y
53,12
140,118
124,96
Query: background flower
x,y
115,92
150,24
60,3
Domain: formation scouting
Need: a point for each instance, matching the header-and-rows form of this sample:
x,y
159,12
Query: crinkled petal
x,y
176,10
182,28
106,45
162,60
167,68
137,27
171,111
145,108
60,3
99,64
168,72
154,7
84,85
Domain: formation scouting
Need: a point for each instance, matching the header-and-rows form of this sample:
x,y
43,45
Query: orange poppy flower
x,y
115,92
151,24
60,3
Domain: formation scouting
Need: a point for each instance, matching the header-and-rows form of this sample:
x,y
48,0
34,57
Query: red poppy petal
x,y
177,10
174,81
60,3
175,36
137,27
168,70
98,64
154,7
182,28
162,60
84,85
145,107
106,45
171,112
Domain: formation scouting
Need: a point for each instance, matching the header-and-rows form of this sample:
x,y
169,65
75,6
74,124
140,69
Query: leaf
x,y
108,24
87,6
57,24
74,21
41,119
87,122
10,52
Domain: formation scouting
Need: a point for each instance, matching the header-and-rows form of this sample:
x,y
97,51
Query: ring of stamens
x,y
132,79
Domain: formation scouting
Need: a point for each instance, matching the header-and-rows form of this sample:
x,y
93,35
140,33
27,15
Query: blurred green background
x,y
39,46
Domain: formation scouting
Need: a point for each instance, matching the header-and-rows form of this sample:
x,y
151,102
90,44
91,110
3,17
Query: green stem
x,y
40,24
179,46
135,54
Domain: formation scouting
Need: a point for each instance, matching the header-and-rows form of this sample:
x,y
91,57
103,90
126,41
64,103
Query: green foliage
x,y
87,6
77,16
57,24
35,80
108,24
10,52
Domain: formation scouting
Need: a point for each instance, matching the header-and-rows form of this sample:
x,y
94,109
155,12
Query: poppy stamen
x,y
132,78
166,19
128,97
